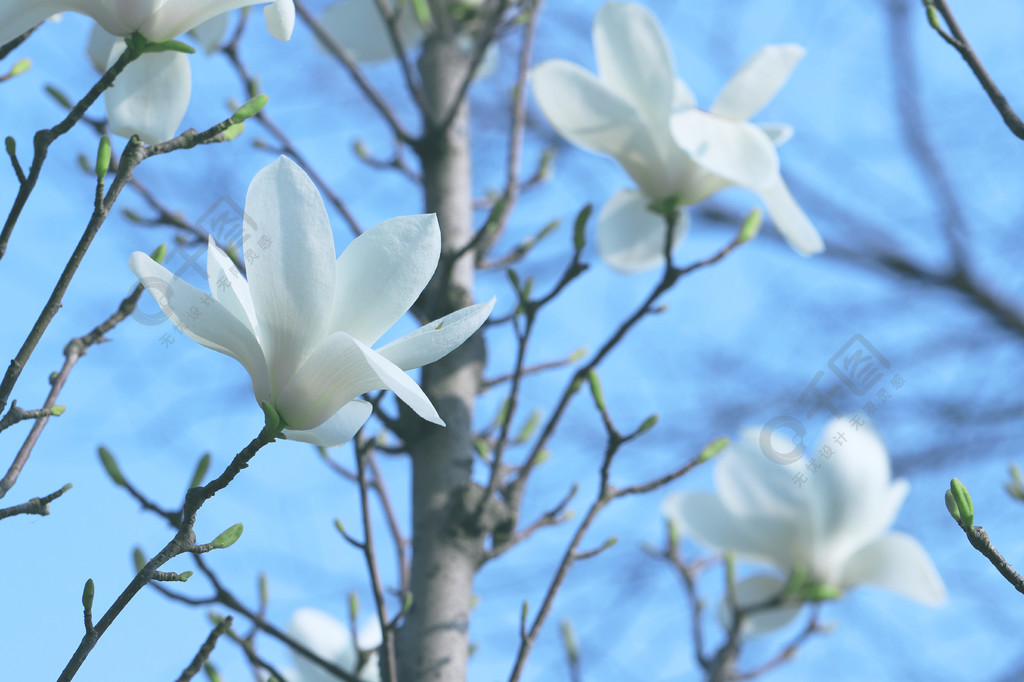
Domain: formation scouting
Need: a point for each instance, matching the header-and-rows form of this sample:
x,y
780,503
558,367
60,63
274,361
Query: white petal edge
x,y
338,370
757,81
632,239
228,286
757,590
150,97
324,636
634,59
738,151
358,27
899,563
339,428
203,319
290,264
778,133
280,18
434,340
791,222
381,274
209,33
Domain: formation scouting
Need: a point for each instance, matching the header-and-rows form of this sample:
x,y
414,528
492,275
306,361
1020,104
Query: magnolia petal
x,y
174,17
584,110
760,538
325,637
280,18
339,428
209,33
629,237
337,371
101,45
434,340
357,25
749,484
757,81
736,150
899,563
203,319
682,95
289,255
778,133
758,590
150,97
228,286
381,274
791,222
18,17
634,59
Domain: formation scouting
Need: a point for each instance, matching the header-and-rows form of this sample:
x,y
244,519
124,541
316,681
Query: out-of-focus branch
x,y
958,40
205,650
37,505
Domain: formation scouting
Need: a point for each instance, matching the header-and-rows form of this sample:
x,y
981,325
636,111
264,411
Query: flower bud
x,y
228,537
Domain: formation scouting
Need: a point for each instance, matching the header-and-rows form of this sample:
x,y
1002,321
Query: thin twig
x,y
204,652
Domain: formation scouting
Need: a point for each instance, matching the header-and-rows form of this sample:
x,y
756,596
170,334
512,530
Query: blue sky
x,y
736,346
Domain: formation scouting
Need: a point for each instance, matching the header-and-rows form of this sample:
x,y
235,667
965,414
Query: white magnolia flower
x,y
156,20
359,27
832,524
637,111
303,325
332,641
149,98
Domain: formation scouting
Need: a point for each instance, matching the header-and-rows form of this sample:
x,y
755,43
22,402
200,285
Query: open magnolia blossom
x,y
149,98
830,526
303,324
156,20
332,641
637,111
359,27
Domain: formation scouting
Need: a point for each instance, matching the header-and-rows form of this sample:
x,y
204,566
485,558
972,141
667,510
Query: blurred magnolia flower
x,y
156,20
359,27
332,641
638,112
149,98
831,526
303,325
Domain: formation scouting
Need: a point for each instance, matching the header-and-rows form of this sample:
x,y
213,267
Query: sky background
x,y
893,137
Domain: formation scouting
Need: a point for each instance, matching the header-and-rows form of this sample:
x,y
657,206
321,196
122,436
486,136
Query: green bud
x,y
750,227
57,410
169,46
353,606
264,589
951,505
541,457
87,594
576,384
228,537
610,542
1016,486
819,592
595,389
110,464
422,9
201,468
359,147
340,527
963,502
578,355
250,108
211,672
10,145
103,158
273,419
579,228
514,278
673,533
529,427
139,559
547,229
20,67
159,253
480,444
569,640
233,131
407,602
53,378
525,611
648,424
59,96
933,16
713,448
184,576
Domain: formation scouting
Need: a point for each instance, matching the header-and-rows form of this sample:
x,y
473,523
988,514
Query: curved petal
x,y
433,341
357,25
682,96
339,428
289,257
203,319
629,237
280,18
101,45
150,97
171,19
791,222
778,133
761,538
758,590
337,371
899,563
634,59
229,287
209,33
750,484
757,81
381,274
738,151
325,637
